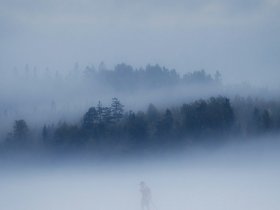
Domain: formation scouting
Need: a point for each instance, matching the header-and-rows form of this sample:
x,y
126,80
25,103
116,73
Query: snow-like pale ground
x,y
238,178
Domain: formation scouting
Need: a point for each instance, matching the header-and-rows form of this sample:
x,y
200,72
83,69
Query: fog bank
x,y
236,176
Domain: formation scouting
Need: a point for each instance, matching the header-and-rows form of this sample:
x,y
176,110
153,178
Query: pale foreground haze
x,y
98,96
236,176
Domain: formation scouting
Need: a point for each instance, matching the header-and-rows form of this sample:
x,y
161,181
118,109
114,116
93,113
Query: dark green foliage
x,y
20,130
108,115
117,110
126,78
207,116
266,120
256,116
90,118
67,135
261,121
136,128
45,133
102,121
200,77
111,128
203,117
20,136
152,113
99,110
165,126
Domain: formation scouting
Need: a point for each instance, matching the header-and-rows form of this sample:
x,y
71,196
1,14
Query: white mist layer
x,y
229,179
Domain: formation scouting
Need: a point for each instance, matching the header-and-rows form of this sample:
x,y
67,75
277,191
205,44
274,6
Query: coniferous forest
x,y
139,105
114,128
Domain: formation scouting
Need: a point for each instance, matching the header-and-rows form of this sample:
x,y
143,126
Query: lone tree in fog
x,y
90,118
106,115
261,121
266,120
165,125
116,109
45,132
21,130
207,116
99,111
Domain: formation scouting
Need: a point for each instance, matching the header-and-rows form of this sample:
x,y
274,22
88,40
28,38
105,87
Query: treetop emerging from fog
x,y
234,36
125,77
116,130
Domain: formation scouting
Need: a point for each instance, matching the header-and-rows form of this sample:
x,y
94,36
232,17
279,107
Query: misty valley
x,y
139,105
128,138
188,121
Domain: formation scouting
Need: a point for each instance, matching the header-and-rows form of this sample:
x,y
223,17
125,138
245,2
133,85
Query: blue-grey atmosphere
x,y
139,105
238,38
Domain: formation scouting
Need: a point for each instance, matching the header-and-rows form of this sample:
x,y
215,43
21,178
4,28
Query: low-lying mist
x,y
234,176
87,140
47,96
150,129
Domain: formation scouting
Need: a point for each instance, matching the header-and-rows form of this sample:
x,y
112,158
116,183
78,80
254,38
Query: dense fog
x,y
139,105
235,176
239,38
47,96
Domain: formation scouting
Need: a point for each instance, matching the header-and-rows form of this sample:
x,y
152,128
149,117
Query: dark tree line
x,y
120,77
256,116
207,116
124,77
153,128
113,128
20,135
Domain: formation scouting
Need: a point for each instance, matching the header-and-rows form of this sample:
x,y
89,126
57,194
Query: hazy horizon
x,y
99,97
238,38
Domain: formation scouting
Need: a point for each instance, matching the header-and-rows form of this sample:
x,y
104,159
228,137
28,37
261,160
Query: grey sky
x,y
239,38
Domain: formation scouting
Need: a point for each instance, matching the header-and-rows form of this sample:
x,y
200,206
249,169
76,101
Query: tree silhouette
x,y
117,110
21,130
